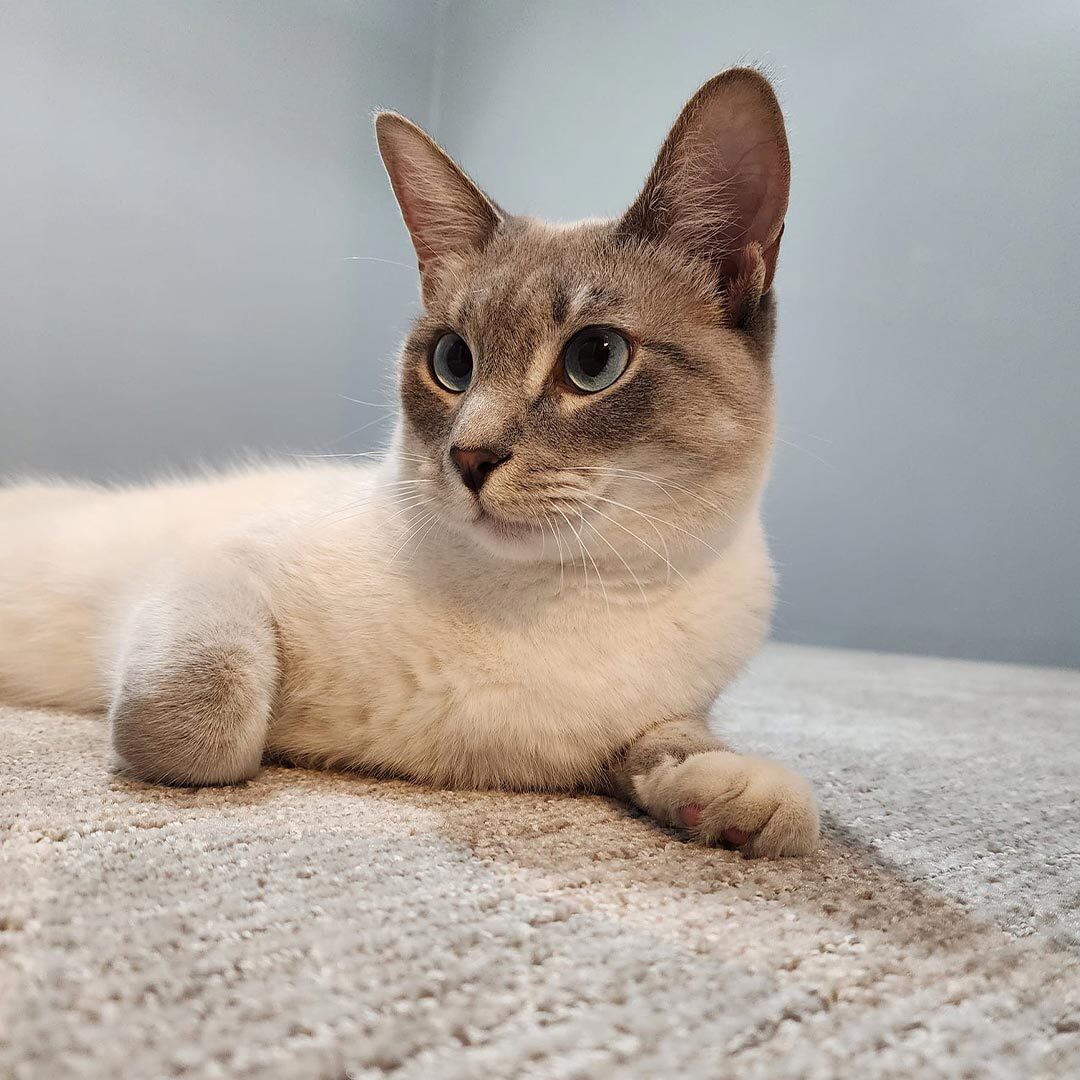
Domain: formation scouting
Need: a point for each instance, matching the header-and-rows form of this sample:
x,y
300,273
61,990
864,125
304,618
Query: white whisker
x,y
599,576
382,455
357,506
410,532
372,258
370,404
641,588
654,480
671,568
558,541
573,561
364,427
420,542
680,529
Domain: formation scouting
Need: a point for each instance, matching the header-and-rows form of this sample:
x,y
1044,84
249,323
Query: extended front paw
x,y
758,806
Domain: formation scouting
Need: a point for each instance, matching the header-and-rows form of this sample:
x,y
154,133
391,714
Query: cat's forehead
x,y
533,274
538,280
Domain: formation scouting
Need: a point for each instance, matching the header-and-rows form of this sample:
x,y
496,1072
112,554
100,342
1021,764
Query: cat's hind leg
x,y
195,676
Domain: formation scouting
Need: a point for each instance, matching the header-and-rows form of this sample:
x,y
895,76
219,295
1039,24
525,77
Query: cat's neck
x,y
582,584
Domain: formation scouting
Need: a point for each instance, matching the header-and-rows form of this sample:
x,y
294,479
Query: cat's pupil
x,y
459,360
593,355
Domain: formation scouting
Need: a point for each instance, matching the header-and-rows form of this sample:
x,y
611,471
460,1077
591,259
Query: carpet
x,y
316,925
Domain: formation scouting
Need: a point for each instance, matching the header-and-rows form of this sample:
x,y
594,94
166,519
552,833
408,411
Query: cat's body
x,y
550,575
76,559
411,660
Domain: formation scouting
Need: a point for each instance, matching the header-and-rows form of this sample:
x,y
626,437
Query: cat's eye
x,y
594,358
451,363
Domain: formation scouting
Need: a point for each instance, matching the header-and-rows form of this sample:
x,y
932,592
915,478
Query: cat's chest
x,y
533,707
434,693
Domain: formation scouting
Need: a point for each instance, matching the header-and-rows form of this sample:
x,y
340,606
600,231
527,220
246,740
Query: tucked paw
x,y
758,806
196,722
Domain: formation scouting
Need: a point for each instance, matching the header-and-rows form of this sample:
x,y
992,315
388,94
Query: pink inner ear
x,y
719,188
744,149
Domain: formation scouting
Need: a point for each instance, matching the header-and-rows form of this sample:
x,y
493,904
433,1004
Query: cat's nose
x,y
476,464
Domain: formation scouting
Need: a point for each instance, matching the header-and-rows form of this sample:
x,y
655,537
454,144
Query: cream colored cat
x,y
548,579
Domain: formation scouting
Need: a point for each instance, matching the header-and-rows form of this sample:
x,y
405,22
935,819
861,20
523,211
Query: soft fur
x,y
569,625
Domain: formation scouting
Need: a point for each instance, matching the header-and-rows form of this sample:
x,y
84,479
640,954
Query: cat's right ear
x,y
445,212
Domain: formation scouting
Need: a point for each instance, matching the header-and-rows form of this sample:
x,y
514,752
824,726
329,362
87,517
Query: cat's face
x,y
599,391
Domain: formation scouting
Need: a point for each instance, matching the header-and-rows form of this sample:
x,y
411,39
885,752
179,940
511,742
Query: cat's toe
x,y
757,806
734,838
690,818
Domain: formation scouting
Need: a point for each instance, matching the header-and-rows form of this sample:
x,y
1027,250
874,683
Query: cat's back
x,y
72,555
84,529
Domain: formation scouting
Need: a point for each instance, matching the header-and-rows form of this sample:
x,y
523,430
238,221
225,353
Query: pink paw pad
x,y
690,818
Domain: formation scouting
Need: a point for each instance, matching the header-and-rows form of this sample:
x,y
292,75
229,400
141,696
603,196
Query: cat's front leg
x,y
682,776
195,676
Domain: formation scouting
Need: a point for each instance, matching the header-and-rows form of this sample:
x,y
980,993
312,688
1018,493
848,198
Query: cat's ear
x,y
445,212
719,188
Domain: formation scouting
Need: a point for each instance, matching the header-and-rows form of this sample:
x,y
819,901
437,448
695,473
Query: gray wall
x,y
180,188
927,497
182,184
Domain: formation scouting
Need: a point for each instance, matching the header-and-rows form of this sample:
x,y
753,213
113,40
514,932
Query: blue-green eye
x,y
594,358
451,363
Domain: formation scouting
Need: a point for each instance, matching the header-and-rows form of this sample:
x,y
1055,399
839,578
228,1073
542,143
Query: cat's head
x,y
601,388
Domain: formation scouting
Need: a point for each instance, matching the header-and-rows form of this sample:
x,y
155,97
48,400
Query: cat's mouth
x,y
516,539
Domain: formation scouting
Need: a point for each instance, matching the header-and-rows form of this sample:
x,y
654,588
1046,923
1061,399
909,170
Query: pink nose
x,y
476,464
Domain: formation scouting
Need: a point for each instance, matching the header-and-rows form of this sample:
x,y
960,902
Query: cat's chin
x,y
516,541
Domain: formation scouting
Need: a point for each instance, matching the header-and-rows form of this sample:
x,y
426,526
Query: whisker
x,y
364,427
370,404
599,576
660,536
685,532
415,505
382,455
653,480
372,258
746,422
558,541
420,542
802,449
671,568
663,521
357,506
372,495
784,427
641,588
410,532
573,562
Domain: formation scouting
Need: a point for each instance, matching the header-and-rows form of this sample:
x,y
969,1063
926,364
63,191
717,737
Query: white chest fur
x,y
509,679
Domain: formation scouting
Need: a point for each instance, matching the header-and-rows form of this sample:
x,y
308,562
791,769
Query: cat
x,y
547,579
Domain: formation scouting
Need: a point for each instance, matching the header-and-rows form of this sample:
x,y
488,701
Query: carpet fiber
x,y
315,925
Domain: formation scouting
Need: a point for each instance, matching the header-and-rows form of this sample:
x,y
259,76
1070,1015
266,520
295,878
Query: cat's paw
x,y
757,806
192,720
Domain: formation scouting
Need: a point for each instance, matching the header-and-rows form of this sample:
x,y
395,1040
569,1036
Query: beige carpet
x,y
312,925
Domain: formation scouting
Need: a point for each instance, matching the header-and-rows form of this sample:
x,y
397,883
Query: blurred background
x,y
200,256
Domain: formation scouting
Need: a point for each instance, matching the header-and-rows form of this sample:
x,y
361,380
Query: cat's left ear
x,y
445,212
719,188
